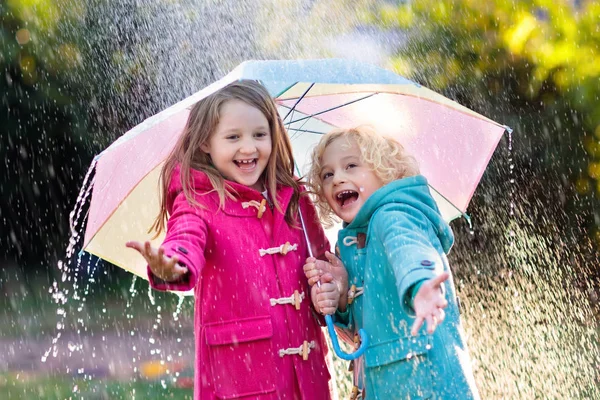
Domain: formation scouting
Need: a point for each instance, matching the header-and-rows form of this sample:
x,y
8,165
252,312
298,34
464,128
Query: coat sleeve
x,y
186,238
408,239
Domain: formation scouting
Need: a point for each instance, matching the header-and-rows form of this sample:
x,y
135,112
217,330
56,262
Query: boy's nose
x,y
338,178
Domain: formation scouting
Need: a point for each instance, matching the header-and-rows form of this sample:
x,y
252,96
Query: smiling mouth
x,y
346,197
246,164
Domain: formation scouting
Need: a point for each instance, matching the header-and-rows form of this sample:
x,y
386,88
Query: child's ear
x,y
205,148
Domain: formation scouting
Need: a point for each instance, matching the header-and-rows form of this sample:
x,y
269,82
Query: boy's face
x,y
347,181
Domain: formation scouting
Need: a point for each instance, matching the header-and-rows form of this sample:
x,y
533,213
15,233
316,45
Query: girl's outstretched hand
x,y
163,267
429,304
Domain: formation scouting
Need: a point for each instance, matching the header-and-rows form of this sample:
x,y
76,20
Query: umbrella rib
x,y
305,131
298,129
291,110
464,214
298,101
331,109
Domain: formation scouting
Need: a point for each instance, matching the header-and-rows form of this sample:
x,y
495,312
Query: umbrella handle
x,y
334,339
364,341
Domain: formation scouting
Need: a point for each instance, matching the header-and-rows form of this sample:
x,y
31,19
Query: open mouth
x,y
346,197
245,164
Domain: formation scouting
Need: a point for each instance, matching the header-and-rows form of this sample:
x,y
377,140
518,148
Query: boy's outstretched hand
x,y
163,267
429,304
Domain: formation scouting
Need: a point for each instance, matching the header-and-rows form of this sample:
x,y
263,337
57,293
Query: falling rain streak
x,y
526,272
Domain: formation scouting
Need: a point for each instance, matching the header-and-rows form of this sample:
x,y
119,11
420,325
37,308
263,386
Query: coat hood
x,y
414,192
203,187
208,196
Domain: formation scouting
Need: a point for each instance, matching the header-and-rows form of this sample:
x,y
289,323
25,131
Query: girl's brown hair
x,y
202,121
385,156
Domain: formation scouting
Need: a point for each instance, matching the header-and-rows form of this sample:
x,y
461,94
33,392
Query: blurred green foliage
x,y
533,65
527,277
42,126
68,87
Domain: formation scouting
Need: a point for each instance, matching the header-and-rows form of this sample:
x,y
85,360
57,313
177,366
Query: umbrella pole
x,y
330,326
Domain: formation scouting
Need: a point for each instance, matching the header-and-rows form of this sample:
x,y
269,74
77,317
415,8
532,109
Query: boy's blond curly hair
x,y
387,158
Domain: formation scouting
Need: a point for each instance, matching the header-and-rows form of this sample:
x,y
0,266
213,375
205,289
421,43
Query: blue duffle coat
x,y
398,240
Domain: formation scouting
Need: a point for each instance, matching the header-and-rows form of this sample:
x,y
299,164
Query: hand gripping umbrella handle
x,y
334,339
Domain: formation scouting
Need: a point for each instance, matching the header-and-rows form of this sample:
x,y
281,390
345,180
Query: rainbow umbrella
x,y
452,144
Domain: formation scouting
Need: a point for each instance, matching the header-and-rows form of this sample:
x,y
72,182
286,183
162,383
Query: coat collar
x,y
210,198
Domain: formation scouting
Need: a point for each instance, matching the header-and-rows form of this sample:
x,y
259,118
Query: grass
x,y
21,387
105,304
27,307
28,310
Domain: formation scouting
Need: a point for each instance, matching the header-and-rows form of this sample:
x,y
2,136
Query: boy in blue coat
x,y
398,285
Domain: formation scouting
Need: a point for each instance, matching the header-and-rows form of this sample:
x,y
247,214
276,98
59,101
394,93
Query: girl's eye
x,y
231,137
261,134
327,175
351,165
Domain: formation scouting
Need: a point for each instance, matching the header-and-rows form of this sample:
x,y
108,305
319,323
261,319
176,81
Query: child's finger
x,y
313,276
328,292
333,259
132,244
327,306
148,249
311,272
170,261
179,271
322,265
416,326
328,310
328,288
326,278
442,303
441,278
431,324
308,266
439,315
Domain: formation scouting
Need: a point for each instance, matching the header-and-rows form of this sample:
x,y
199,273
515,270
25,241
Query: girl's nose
x,y
248,147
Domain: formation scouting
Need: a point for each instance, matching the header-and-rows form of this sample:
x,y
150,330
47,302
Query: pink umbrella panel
x,y
452,144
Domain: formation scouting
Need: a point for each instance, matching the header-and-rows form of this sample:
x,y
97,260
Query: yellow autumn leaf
x,y
43,14
594,170
516,37
582,185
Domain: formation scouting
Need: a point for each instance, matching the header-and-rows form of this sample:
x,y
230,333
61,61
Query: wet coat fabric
x,y
240,326
397,240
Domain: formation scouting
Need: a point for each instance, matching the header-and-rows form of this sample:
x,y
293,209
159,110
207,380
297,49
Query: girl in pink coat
x,y
230,203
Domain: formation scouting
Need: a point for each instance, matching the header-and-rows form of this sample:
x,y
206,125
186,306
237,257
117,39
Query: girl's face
x,y
347,181
240,145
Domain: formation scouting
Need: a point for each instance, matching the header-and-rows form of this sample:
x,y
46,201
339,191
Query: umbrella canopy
x,y
452,144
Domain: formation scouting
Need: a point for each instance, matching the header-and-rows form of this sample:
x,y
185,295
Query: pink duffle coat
x,y
246,332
